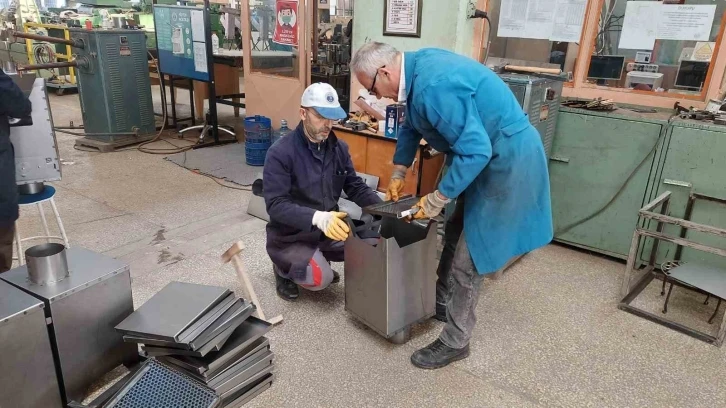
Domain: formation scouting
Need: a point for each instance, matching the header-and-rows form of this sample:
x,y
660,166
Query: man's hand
x,y
430,205
332,224
395,186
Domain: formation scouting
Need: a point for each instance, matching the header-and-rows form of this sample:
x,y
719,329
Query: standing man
x,y
497,174
13,104
305,173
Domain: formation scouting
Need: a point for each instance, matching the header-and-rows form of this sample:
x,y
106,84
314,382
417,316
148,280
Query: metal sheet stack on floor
x,y
208,334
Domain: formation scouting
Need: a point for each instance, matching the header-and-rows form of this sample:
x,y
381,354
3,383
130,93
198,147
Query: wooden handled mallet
x,y
234,254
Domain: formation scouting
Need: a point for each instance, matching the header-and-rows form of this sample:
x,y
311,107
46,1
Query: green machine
x,y
602,171
692,161
605,166
114,85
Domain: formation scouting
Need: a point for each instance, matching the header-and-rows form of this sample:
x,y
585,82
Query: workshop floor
x,y
548,332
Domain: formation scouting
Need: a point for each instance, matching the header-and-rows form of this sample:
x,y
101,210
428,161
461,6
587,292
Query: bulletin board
x,y
181,41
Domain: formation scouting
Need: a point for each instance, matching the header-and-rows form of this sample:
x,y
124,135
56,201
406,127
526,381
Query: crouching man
x,y
305,173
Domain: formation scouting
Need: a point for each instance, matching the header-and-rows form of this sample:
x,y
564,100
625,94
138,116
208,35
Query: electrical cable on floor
x,y
216,180
617,193
151,150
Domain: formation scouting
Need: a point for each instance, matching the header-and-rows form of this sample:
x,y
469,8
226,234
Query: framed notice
x,y
402,18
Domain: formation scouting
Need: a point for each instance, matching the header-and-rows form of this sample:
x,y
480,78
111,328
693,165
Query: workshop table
x,y
372,154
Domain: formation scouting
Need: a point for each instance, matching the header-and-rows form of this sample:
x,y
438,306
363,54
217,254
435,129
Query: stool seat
x,y
45,195
25,200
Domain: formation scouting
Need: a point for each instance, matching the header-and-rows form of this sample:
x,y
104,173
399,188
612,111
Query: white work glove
x,y
332,224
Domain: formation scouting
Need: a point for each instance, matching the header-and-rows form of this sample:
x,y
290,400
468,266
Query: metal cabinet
x,y
602,168
694,159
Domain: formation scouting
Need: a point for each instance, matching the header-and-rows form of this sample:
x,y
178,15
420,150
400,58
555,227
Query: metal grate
x,y
115,86
146,110
156,385
391,209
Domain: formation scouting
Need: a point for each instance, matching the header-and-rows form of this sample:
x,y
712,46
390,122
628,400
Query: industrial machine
x,y
113,82
85,295
540,100
27,373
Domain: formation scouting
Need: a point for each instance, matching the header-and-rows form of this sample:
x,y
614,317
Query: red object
x,y
89,25
286,23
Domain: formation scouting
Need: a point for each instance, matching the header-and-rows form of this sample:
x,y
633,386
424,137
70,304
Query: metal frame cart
x,y
702,278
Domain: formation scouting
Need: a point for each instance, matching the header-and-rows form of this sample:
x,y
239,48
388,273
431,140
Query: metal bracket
x,y
470,10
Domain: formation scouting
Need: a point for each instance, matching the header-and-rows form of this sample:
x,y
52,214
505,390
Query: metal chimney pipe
x,y
47,263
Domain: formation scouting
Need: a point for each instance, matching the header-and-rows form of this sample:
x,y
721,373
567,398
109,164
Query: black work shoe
x,y
440,312
286,288
437,355
336,277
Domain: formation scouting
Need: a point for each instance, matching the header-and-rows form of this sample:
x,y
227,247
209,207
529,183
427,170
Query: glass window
x,y
268,56
667,66
562,54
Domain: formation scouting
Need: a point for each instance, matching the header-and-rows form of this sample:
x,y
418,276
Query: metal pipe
x,y
73,43
96,134
47,263
49,65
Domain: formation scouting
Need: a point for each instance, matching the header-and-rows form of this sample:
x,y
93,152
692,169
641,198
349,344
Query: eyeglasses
x,y
373,85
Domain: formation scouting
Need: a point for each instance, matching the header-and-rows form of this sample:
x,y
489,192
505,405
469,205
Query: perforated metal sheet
x,y
156,385
391,209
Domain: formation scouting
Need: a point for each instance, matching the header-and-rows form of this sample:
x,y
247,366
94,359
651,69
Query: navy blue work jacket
x,y
13,104
299,178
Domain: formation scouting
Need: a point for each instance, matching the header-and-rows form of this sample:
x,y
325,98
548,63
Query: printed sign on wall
x,y
286,23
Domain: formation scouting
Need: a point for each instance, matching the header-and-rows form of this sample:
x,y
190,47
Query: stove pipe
x,y
47,263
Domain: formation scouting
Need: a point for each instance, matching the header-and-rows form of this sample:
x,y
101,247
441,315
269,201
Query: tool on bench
x,y
595,105
233,254
693,113
549,73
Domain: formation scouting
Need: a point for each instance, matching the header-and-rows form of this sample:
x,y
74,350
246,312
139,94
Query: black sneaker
x,y
286,288
440,312
437,355
336,277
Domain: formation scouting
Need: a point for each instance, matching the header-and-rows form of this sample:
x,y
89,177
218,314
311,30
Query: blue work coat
x,y
462,108
299,178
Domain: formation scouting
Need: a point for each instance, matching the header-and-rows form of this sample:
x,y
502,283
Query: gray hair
x,y
372,56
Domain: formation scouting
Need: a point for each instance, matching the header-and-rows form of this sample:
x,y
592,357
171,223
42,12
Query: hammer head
x,y
232,251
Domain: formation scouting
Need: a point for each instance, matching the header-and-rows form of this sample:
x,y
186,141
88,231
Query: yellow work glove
x,y
332,224
430,205
395,186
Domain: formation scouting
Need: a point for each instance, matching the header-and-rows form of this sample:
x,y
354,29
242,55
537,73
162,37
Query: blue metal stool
x,y
38,199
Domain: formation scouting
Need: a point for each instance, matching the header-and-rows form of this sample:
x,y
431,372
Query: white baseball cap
x,y
323,98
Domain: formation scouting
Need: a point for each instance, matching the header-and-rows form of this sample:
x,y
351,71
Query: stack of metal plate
x,y
183,316
208,334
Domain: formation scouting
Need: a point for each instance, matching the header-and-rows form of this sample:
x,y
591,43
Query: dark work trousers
x,y
458,282
7,233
